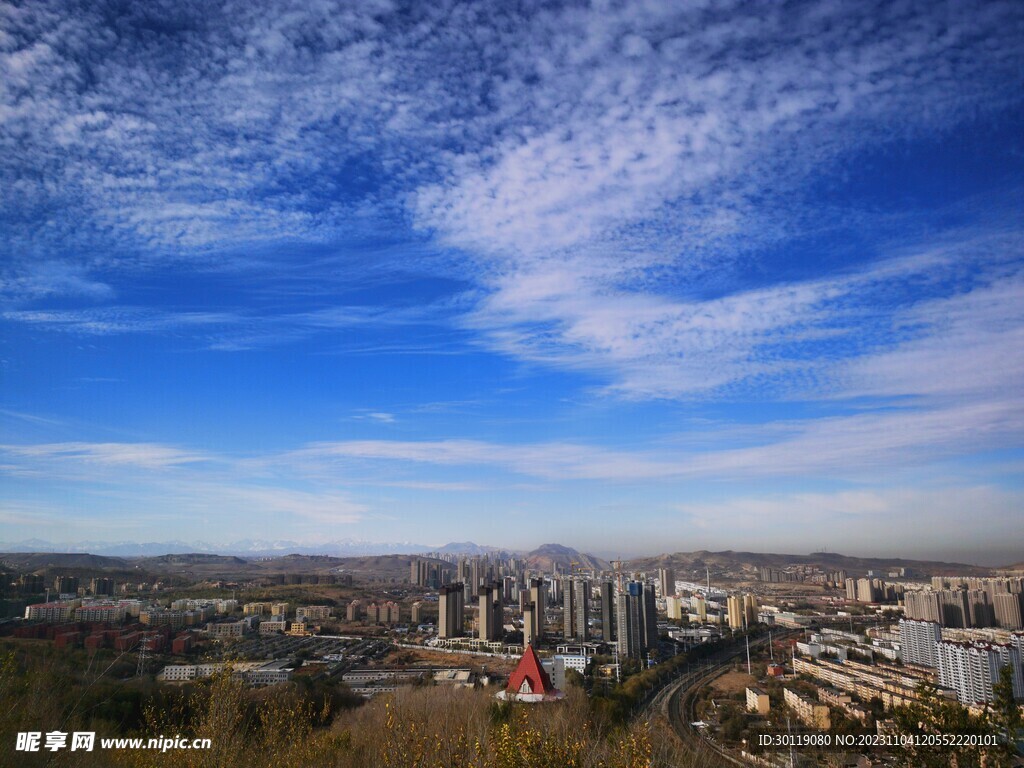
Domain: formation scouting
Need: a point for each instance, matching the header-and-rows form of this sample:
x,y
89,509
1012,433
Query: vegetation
x,y
301,723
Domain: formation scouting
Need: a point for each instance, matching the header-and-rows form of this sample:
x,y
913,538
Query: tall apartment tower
x,y
851,589
734,607
866,591
490,621
923,605
956,611
667,581
529,624
539,598
581,598
607,611
575,609
637,620
919,641
700,606
450,608
568,609
475,577
750,609
971,669
1008,612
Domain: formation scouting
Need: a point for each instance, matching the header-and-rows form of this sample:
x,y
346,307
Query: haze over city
x,y
636,278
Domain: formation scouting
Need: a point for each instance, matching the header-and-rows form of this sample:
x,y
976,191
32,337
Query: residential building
x,y
809,711
490,621
971,669
1008,613
607,611
312,612
353,611
919,641
757,701
667,581
637,620
226,629
451,607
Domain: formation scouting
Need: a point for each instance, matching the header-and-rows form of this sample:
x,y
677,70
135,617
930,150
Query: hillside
x,y
35,561
748,563
546,556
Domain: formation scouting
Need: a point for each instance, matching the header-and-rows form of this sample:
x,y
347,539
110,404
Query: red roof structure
x,y
530,677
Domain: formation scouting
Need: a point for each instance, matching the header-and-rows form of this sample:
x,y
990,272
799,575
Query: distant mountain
x,y
465,548
547,556
190,559
35,561
242,547
749,562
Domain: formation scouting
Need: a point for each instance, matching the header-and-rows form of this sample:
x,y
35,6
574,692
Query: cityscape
x,y
576,384
733,650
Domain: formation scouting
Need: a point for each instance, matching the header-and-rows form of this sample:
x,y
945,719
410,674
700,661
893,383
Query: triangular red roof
x,y
530,671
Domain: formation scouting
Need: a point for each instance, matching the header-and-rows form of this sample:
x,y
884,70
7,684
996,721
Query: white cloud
x,y
146,455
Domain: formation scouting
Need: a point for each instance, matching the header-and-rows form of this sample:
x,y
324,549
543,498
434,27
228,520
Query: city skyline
x,y
714,277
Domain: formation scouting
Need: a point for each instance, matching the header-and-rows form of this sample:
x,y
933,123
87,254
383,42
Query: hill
x,y
547,556
36,561
746,564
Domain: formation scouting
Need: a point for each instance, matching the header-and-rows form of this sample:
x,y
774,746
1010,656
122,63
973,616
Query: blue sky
x,y
636,277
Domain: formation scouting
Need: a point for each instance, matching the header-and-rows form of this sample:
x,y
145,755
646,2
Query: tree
x,y
1005,711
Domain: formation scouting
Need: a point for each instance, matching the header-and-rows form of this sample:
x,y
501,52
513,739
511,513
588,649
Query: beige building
x,y
257,609
313,613
353,610
734,610
757,701
808,710
226,629
270,626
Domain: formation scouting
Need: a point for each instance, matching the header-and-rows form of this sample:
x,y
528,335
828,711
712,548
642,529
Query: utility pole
x,y
748,654
140,670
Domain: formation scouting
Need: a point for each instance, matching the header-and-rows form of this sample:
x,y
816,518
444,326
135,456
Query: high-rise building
x,y
529,624
866,592
66,585
971,669
450,609
476,577
673,607
923,606
1007,607
416,616
575,609
750,609
539,598
102,586
851,589
667,581
734,608
700,607
353,610
956,612
490,621
637,620
919,641
607,611
980,608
